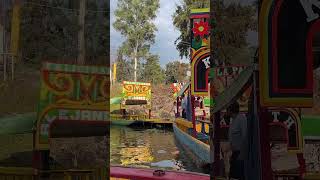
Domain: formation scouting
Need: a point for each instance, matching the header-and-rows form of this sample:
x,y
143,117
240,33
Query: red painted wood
x,y
147,174
193,116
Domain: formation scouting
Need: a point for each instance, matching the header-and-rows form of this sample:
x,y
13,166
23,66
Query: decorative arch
x,y
200,51
200,65
287,119
286,38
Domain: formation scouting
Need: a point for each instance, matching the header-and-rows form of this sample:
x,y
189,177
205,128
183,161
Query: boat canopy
x,y
183,89
235,89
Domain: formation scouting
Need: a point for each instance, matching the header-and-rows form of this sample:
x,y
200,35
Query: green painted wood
x,y
17,124
310,126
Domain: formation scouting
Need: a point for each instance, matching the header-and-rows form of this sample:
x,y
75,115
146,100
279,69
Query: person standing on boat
x,y
238,141
184,105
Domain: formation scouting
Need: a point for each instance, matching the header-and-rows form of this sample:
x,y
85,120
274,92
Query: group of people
x,y
184,105
237,137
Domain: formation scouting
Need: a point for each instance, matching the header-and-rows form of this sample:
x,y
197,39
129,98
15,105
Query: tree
x,y
134,21
152,71
232,23
124,68
229,33
96,31
182,22
176,71
48,33
49,30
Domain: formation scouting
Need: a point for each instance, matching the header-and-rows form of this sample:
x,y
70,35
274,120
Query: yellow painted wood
x,y
312,176
16,171
200,10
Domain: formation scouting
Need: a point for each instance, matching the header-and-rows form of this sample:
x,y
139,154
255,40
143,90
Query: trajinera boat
x,y
193,136
191,128
133,94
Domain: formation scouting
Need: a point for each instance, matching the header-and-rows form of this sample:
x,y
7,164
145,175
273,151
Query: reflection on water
x,y
148,148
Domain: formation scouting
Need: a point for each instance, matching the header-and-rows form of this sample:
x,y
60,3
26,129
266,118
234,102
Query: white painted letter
x,y
275,116
86,115
63,114
206,62
289,122
97,115
307,6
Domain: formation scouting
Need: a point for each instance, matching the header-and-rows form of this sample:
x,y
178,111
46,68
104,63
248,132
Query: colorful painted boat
x,y
198,147
130,173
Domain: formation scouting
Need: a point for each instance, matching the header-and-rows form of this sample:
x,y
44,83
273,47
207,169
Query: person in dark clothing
x,y
184,106
238,141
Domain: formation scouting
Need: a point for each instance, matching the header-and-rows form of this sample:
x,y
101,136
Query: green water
x,y
150,148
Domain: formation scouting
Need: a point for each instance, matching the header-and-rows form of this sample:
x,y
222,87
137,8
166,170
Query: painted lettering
x,y
225,71
289,122
223,122
44,129
307,6
235,70
76,116
63,114
206,62
275,116
85,115
97,115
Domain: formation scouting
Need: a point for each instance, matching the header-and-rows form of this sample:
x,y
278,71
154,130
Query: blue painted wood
x,y
200,149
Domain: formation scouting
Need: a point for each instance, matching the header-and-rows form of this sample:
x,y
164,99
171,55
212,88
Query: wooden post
x,y
265,145
216,141
12,67
178,113
302,164
4,67
265,155
81,40
193,117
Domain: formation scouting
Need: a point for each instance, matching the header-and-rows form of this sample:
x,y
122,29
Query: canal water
x,y
148,148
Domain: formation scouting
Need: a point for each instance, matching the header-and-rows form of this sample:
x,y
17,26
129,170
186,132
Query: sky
x,y
165,36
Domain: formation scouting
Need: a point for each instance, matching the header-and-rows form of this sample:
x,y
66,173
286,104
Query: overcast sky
x,y
165,36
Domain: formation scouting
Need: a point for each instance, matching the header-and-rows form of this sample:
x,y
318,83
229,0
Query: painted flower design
x,y
201,28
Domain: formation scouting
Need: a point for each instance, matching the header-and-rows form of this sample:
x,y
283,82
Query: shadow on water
x,y
149,148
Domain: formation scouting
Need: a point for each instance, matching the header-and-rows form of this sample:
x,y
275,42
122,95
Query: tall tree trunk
x,y
135,68
135,62
82,10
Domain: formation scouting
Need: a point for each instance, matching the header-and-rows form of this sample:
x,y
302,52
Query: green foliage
x,y
48,33
182,22
233,21
176,71
134,20
152,71
124,68
49,30
97,37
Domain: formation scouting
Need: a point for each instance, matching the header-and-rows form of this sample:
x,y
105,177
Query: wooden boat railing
x,y
129,117
284,176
